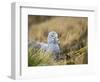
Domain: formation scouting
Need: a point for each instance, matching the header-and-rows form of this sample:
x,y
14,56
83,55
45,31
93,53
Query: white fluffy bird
x,y
52,44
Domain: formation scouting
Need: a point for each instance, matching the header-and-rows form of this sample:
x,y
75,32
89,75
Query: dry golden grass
x,y
72,33
69,29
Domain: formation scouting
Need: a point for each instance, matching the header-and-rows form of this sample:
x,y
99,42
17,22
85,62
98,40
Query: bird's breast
x,y
53,47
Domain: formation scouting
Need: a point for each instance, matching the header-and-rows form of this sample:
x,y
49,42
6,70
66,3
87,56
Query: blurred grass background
x,y
73,34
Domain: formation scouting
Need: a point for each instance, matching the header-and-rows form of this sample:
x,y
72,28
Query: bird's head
x,y
53,37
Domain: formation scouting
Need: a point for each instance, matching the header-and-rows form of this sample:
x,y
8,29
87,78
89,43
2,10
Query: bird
x,y
52,45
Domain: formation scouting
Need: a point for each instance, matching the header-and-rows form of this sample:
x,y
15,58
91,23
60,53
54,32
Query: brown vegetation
x,y
72,34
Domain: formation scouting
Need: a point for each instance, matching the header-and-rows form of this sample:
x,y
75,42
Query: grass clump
x,y
37,57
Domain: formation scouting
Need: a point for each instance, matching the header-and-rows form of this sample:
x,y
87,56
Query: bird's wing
x,y
44,46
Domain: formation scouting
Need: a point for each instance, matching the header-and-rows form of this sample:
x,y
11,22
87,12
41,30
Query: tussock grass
x,y
38,57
